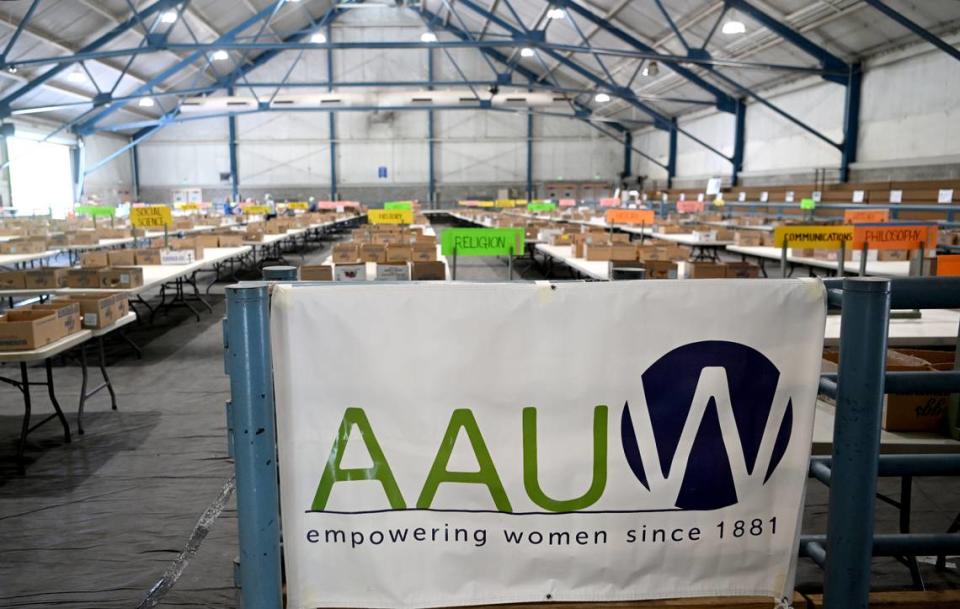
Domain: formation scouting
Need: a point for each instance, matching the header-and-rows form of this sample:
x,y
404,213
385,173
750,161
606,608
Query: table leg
x,y
103,371
83,387
25,428
53,400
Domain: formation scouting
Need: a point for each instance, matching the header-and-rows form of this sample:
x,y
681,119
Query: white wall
x,y
113,182
908,118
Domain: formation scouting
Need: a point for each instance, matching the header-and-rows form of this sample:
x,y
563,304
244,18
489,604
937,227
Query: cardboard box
x,y
393,272
597,252
893,255
742,270
178,256
706,270
204,241
346,253
372,252
399,253
423,252
428,270
350,272
94,260
316,272
87,279
660,269
12,280
747,238
147,257
25,329
24,246
121,277
85,237
706,236
623,252
67,313
121,258
42,279
253,234
234,240
921,412
100,310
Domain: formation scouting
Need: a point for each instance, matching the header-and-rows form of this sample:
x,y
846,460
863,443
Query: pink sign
x,y
611,202
689,207
337,204
567,202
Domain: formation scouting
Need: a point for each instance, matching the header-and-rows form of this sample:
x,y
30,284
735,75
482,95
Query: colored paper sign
x,y
188,206
689,207
484,203
95,210
895,236
719,202
819,237
390,216
482,241
896,196
945,195
948,266
398,205
456,449
151,216
807,203
261,210
610,202
337,205
630,216
298,205
542,206
504,203
567,202
865,216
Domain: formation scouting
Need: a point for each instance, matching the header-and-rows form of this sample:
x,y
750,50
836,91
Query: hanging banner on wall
x,y
465,461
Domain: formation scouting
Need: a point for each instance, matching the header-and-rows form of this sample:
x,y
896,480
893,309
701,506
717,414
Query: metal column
x,y
431,169
333,121
856,442
672,154
627,154
851,121
78,165
248,362
135,171
529,155
739,141
232,144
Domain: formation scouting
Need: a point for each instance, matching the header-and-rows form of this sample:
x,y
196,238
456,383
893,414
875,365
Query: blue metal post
x,y
851,121
856,442
915,28
739,141
627,156
529,156
135,171
333,121
672,154
77,164
248,362
431,169
232,145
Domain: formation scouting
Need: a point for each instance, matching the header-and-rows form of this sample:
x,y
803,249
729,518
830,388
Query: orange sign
x,y
629,216
858,216
895,236
948,266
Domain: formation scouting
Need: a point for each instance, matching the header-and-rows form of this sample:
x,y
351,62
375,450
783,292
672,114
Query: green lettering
x,y
487,474
380,470
531,480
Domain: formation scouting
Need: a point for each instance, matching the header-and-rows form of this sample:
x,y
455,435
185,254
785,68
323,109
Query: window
x,y
41,180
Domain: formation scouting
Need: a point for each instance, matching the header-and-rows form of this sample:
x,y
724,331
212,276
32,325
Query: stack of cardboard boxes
x,y
401,253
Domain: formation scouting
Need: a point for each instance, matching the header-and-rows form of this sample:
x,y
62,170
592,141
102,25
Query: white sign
x,y
764,196
713,186
789,196
742,196
896,196
945,195
700,197
857,196
443,451
817,196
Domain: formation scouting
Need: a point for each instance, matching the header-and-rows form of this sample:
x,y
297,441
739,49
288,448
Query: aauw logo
x,y
709,426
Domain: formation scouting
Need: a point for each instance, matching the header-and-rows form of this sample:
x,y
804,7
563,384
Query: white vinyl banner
x,y
458,444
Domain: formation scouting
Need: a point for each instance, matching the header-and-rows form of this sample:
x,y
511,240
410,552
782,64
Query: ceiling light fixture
x,y
526,52
601,98
12,69
428,37
318,38
556,13
220,55
733,26
168,17
651,69
146,102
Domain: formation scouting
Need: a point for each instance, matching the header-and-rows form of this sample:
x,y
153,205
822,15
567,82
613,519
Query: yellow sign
x,y
189,206
817,237
506,203
390,216
151,216
256,210
298,205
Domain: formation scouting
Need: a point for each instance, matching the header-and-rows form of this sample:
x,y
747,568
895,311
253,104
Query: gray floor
x,y
95,523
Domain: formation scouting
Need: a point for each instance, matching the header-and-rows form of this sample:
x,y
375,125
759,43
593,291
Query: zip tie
x,y
200,531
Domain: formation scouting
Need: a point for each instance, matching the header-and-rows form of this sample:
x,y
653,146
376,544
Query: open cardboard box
x,y
26,329
99,310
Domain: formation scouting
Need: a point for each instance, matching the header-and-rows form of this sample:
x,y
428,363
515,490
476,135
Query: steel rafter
x,y
915,27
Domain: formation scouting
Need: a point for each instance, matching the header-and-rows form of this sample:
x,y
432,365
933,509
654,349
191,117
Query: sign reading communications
x,y
482,242
492,451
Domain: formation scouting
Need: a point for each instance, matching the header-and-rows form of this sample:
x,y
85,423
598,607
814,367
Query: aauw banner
x,y
456,444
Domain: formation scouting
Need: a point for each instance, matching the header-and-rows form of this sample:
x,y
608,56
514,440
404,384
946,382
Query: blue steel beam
x,y
19,30
627,149
431,176
739,141
672,156
916,28
65,62
332,124
135,171
836,67
90,125
724,101
232,149
851,122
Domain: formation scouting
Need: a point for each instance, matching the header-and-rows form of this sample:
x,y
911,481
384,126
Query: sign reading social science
x,y
151,216
481,467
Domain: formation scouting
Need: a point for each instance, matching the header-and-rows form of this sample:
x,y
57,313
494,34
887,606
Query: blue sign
x,y
381,172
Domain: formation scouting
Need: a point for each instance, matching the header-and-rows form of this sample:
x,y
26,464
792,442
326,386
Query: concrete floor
x,y
96,523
